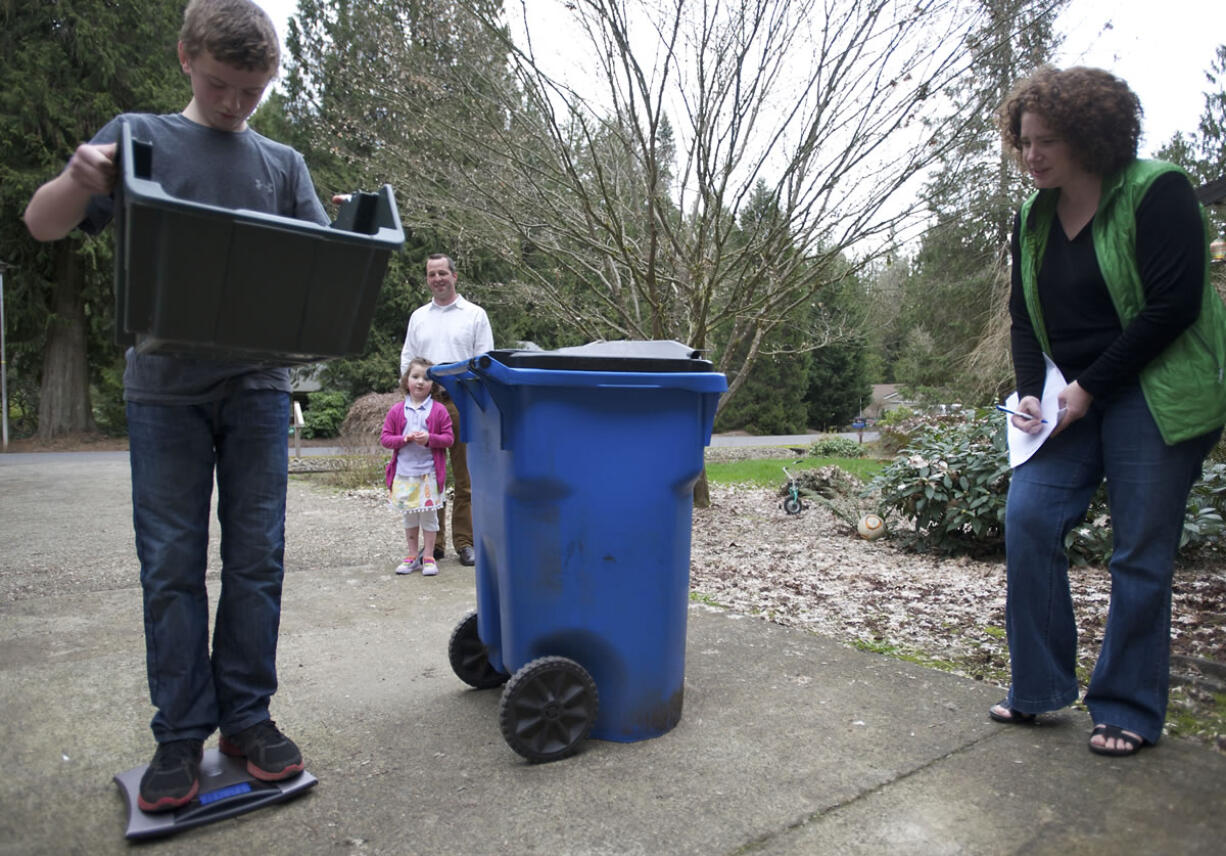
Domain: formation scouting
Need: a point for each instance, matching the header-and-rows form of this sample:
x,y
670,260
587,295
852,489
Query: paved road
x,y
718,440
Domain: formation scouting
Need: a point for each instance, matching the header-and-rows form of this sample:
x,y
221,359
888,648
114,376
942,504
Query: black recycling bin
x,y
203,281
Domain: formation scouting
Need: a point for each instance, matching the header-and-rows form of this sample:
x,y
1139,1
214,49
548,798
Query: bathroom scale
x,y
226,790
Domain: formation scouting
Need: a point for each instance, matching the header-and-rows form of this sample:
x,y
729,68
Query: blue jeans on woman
x,y
1147,491
175,451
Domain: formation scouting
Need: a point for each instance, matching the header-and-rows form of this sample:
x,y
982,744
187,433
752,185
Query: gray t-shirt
x,y
229,169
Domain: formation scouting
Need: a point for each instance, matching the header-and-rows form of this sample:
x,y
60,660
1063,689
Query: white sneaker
x,y
429,567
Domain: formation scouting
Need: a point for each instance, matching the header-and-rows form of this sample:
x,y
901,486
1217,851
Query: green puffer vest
x,y
1184,385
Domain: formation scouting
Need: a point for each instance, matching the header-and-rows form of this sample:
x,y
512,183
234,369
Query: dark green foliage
x,y
1090,541
838,384
374,89
324,413
107,394
65,70
839,388
809,370
1205,524
772,400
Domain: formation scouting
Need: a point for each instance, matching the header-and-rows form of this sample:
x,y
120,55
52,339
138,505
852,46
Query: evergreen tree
x,y
958,286
65,69
374,89
839,386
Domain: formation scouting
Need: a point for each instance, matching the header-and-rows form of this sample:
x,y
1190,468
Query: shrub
x,y
1203,525
837,447
325,411
951,482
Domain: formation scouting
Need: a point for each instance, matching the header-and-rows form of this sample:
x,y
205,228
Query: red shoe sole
x,y
231,749
167,803
266,776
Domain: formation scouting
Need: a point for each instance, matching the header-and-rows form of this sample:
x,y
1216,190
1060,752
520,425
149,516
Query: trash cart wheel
x,y
792,505
548,708
470,658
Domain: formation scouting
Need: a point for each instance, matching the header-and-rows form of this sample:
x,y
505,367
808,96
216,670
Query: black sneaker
x,y
271,756
173,777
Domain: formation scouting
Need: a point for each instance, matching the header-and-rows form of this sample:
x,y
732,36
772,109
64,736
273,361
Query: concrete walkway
x,y
789,743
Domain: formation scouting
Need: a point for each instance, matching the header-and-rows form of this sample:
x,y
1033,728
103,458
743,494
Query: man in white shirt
x,y
449,329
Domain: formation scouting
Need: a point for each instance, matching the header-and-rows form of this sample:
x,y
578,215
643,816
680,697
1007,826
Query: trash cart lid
x,y
625,355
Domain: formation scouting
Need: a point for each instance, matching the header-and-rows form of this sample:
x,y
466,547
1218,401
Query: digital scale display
x,y
225,793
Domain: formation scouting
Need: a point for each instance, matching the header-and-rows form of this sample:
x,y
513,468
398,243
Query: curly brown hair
x,y
1095,112
236,32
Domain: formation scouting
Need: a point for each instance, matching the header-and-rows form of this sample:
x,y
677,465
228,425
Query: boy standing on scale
x,y
192,419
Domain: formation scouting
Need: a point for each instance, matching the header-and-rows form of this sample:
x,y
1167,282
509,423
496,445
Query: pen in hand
x,y
1004,409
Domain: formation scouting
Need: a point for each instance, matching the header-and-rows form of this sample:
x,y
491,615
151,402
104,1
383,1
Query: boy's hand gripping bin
x,y
203,281
583,465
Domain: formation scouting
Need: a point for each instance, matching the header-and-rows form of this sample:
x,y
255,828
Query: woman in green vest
x,y
1110,280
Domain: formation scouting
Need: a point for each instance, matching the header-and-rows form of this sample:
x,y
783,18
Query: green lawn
x,y
765,472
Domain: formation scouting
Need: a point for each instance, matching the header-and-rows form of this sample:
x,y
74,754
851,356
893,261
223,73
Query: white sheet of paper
x,y
1021,444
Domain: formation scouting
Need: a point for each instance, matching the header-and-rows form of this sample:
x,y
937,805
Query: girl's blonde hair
x,y
404,378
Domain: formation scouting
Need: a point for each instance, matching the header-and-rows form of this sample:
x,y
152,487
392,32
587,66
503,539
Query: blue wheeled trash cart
x,y
583,463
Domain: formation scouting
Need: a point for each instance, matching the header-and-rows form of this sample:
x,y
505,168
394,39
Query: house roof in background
x,y
1212,192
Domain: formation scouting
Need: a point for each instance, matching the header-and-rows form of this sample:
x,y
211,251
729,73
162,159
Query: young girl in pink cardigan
x,y
417,431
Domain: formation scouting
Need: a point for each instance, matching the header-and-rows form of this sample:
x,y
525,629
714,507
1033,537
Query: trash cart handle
x,y
454,368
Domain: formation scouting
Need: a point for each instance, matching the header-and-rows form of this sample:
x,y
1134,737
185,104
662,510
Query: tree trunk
x,y
702,491
63,406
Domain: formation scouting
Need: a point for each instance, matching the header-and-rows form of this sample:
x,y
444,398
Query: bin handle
x,y
454,368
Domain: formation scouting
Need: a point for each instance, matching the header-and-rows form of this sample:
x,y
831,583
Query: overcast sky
x,y
1161,47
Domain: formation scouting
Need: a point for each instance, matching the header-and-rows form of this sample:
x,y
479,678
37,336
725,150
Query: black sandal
x,y
1132,743
1015,717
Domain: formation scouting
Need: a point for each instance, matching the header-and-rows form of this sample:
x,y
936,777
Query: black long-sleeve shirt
x,y
1087,340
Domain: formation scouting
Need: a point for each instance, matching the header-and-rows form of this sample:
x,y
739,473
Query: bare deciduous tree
x,y
616,188
628,176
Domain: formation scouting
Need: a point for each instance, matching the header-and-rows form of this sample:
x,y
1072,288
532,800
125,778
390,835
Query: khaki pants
x,y
457,464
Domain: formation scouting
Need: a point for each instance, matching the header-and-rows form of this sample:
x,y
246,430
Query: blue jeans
x,y
1147,491
174,451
